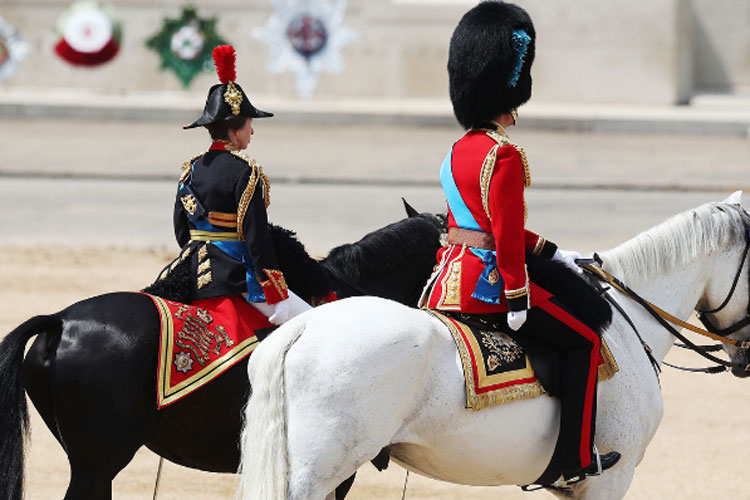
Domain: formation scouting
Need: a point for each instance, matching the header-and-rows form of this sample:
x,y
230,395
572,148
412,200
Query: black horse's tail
x,y
14,415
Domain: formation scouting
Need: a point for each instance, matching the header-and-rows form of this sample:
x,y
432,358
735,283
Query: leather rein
x,y
593,267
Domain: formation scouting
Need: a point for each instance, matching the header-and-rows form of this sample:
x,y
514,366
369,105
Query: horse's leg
x,y
89,480
335,426
88,484
104,388
102,438
612,484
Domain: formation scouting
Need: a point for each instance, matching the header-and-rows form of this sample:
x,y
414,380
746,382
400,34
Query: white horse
x,y
334,386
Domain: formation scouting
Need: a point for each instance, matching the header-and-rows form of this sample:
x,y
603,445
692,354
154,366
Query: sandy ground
x,y
699,451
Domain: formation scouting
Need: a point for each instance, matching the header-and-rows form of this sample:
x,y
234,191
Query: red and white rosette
x,y
89,34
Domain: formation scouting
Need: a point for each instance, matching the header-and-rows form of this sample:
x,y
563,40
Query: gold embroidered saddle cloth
x,y
201,341
497,370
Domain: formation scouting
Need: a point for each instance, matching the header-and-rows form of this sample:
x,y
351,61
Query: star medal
x,y
12,49
305,37
185,44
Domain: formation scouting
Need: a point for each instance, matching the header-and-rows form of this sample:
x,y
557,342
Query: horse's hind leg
x,y
612,484
317,463
334,426
99,443
102,419
90,478
325,447
87,483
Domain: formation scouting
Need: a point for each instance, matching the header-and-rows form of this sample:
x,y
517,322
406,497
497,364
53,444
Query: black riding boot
x,y
599,463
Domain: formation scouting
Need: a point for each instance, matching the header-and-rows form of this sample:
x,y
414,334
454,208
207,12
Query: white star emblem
x,y
306,38
12,49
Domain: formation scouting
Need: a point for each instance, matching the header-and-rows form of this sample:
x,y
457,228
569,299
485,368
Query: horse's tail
x,y
264,466
14,414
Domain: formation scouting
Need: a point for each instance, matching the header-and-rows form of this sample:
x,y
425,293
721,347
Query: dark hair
x,y
220,130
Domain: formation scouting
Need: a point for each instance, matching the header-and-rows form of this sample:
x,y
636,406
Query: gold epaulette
x,y
186,167
256,175
489,165
503,140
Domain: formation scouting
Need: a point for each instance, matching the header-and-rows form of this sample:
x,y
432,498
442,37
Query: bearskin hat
x,y
489,63
226,99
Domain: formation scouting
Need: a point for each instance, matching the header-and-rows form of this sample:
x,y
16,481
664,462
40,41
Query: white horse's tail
x,y
264,462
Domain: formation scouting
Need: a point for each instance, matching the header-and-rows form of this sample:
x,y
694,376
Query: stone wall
x,y
722,45
614,51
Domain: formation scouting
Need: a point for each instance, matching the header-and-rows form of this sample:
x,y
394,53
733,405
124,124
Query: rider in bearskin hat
x,y
220,218
482,270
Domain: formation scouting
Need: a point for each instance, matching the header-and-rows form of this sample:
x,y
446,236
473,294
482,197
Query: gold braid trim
x,y
493,398
256,175
539,245
186,167
484,178
499,138
503,140
607,369
525,162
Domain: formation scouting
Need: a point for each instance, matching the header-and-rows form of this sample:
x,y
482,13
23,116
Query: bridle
x,y
593,267
738,325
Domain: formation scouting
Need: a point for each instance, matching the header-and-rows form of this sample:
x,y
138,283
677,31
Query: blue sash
x,y
484,290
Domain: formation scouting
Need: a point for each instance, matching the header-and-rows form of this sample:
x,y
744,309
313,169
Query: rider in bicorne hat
x,y
220,218
482,270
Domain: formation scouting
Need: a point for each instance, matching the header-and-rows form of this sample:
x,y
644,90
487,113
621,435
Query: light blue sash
x,y
484,291
460,211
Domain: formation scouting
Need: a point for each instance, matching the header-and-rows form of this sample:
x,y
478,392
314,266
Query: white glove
x,y
516,319
280,312
569,259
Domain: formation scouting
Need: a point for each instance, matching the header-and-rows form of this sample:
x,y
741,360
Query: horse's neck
x,y
676,291
393,262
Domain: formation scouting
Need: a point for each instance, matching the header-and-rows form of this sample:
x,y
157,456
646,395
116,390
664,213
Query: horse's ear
x,y
410,211
734,198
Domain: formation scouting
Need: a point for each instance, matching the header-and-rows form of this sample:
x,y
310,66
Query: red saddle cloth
x,y
199,342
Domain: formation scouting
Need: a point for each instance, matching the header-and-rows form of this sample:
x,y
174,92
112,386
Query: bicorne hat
x,y
226,99
489,62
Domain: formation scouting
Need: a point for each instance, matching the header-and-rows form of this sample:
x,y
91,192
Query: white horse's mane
x,y
678,241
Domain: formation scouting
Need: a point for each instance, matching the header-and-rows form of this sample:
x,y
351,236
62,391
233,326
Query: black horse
x,y
91,371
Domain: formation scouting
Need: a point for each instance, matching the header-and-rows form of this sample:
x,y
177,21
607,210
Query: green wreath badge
x,y
185,44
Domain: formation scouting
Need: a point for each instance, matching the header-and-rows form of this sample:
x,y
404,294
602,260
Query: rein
x,y
664,318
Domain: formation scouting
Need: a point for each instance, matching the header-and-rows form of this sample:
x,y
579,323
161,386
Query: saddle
x,y
501,366
199,342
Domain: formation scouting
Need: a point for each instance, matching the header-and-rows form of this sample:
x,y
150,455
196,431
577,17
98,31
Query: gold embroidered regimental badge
x,y
188,201
233,98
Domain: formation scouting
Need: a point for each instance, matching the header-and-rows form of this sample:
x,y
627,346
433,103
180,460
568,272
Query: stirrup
x,y
593,469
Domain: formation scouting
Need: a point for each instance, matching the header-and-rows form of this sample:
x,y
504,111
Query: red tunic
x,y
490,175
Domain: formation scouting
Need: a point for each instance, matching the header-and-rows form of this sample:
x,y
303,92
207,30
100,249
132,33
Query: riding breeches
x,y
550,322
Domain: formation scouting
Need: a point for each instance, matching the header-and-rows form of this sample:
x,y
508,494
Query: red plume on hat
x,y
225,60
226,99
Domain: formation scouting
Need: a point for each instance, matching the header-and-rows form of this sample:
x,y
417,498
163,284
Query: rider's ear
x,y
734,198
